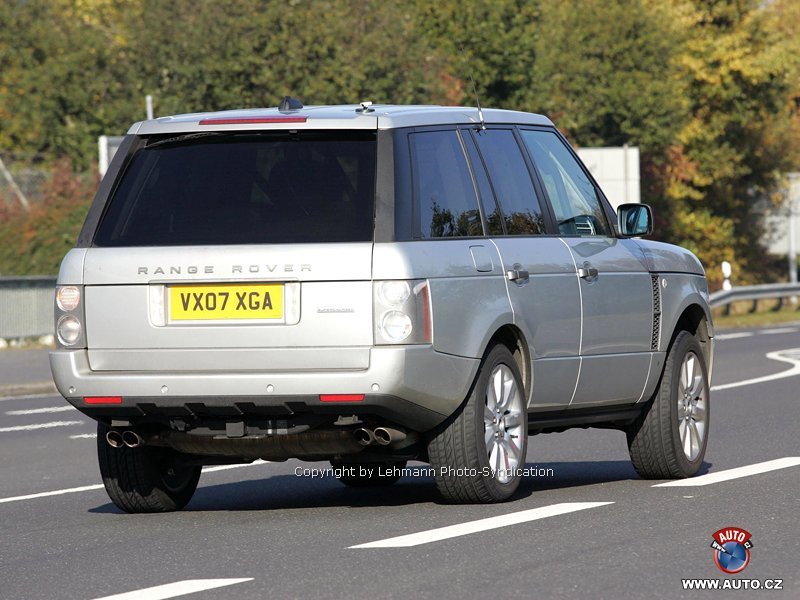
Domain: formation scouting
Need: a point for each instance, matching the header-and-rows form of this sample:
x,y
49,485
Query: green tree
x,y
492,41
62,78
605,72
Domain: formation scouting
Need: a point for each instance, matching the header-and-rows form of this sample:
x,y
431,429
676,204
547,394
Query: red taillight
x,y
103,400
252,120
341,397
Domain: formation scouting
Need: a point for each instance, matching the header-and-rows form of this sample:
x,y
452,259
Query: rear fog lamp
x,y
341,397
103,400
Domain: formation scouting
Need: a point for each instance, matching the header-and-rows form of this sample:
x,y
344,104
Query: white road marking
x,y
84,436
83,488
99,486
226,467
746,334
733,336
778,330
41,411
30,397
179,588
727,475
444,533
49,425
779,355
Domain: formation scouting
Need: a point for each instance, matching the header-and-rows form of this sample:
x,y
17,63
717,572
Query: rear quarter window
x,y
447,205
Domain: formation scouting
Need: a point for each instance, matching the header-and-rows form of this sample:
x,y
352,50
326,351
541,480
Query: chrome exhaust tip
x,y
114,439
363,436
386,435
132,439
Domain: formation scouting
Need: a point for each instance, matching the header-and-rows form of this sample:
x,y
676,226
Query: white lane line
x,y
30,397
75,490
99,486
777,355
179,588
778,330
239,466
444,533
41,411
733,336
84,436
49,425
764,467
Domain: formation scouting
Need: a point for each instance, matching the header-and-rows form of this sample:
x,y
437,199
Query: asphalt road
x,y
290,536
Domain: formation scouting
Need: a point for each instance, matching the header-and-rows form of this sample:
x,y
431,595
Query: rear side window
x,y
512,182
447,205
572,194
255,188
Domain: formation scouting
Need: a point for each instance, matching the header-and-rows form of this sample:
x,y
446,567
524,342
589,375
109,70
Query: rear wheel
x,y
364,475
144,479
478,455
669,439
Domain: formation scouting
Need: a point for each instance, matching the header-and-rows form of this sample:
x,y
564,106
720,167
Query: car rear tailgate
x,y
325,321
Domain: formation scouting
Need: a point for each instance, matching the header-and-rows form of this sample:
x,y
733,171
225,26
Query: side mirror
x,y
635,220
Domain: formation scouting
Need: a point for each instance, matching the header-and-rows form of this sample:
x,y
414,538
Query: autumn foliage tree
x,y
34,241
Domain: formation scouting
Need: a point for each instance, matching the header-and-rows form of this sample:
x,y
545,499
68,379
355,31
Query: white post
x,y
794,193
148,104
726,275
102,155
625,169
726,282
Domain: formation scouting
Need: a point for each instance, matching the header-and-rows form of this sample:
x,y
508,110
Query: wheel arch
x,y
695,319
511,337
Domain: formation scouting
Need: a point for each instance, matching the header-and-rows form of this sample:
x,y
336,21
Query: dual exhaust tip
x,y
128,438
383,436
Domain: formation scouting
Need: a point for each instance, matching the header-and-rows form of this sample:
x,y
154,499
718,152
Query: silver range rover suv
x,y
370,285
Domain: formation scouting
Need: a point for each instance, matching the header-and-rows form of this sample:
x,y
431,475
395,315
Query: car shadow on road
x,y
288,491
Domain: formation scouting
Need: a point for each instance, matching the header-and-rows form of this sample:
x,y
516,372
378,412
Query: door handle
x,y
518,275
588,272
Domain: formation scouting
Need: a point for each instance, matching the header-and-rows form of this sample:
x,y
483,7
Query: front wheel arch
x,y
696,321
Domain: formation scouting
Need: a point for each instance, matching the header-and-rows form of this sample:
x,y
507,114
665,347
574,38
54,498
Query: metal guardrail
x,y
763,291
26,306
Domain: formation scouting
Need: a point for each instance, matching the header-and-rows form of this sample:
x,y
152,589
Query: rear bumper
x,y
414,386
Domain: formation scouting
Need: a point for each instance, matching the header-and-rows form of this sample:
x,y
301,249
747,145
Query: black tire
x,y
459,452
655,441
143,480
367,475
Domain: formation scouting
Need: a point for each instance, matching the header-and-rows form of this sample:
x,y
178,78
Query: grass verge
x,y
768,313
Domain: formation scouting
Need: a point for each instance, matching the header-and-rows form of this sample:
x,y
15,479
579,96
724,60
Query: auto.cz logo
x,y
732,549
732,555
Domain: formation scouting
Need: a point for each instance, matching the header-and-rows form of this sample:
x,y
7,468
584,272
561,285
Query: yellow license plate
x,y
226,302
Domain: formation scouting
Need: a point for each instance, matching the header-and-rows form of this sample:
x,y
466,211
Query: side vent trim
x,y
655,340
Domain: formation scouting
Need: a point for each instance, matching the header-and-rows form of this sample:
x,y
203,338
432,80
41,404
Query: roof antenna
x,y
474,89
289,104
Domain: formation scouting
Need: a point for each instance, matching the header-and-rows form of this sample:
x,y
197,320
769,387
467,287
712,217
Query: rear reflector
x,y
252,120
341,397
103,400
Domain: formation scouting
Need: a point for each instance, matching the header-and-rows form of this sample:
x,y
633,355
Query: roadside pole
x,y
793,196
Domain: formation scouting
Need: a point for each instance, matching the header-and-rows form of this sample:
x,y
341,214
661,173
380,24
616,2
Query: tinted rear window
x,y
245,189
